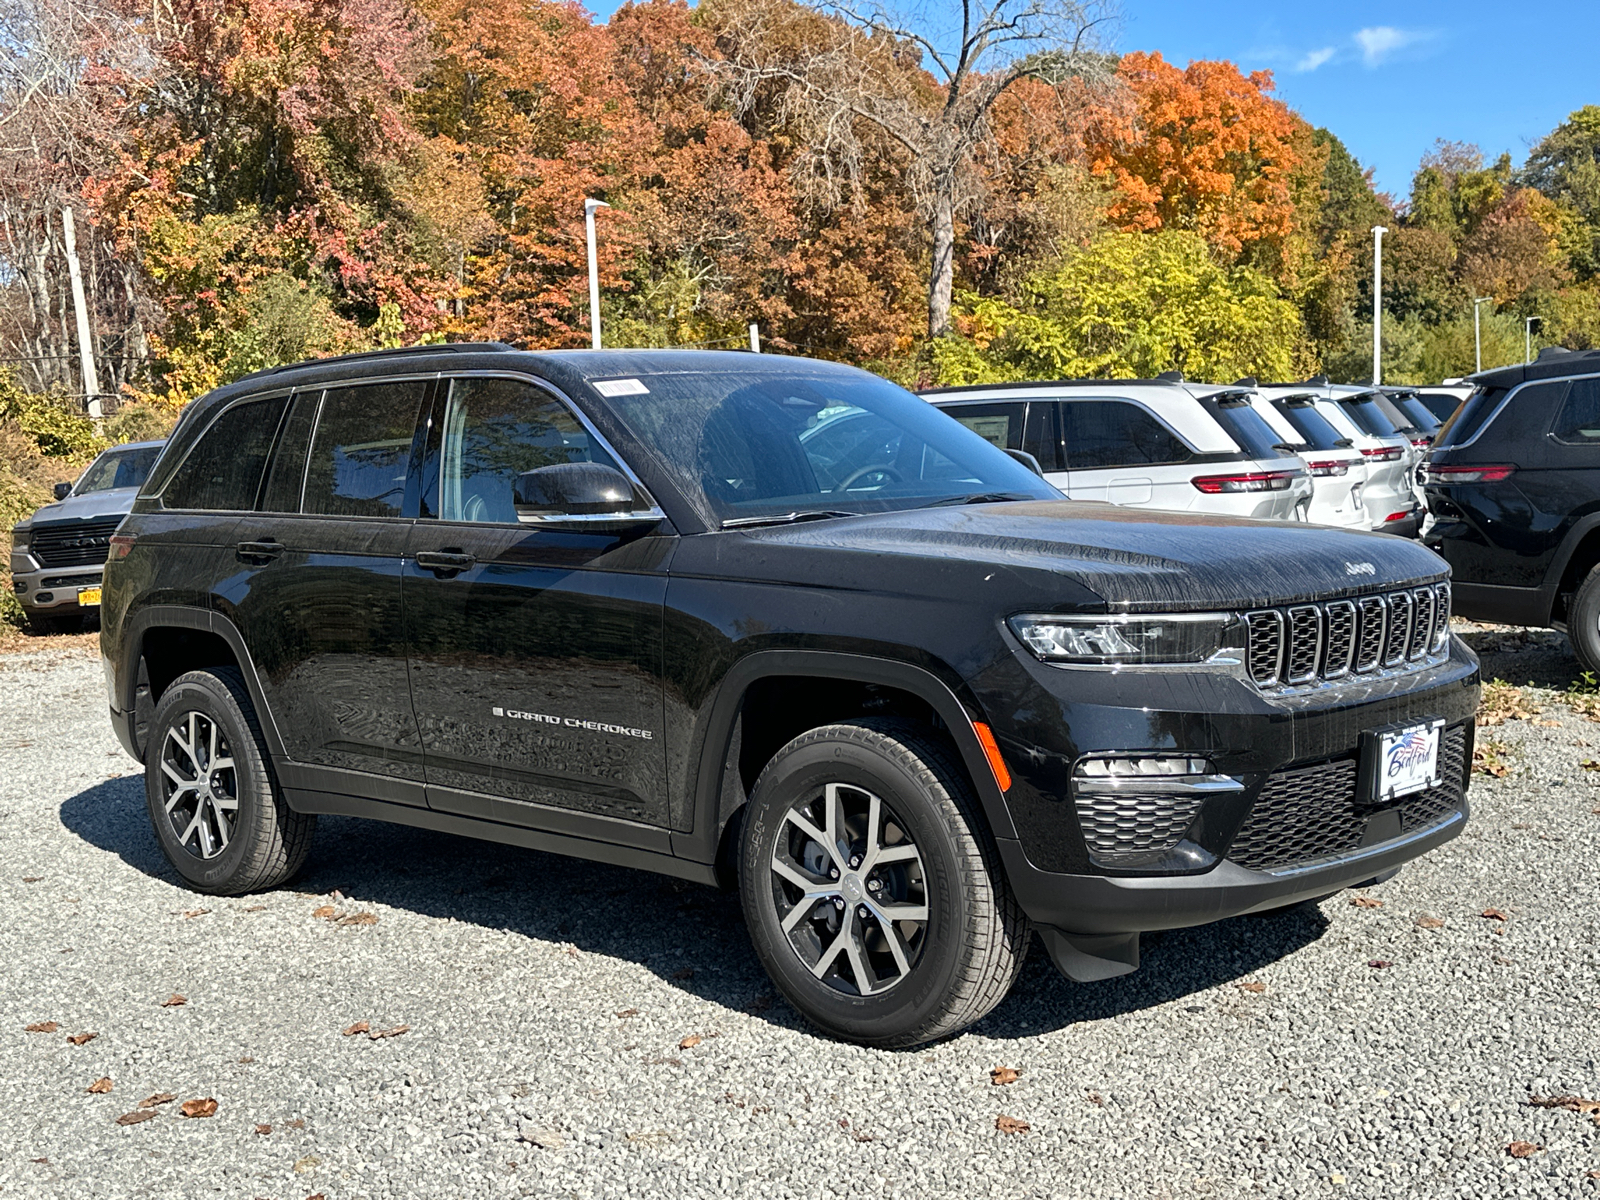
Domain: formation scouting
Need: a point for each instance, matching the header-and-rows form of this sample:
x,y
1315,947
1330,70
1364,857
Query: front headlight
x,y
1107,638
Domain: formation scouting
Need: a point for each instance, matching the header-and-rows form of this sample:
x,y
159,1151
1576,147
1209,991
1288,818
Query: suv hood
x,y
113,502
1132,559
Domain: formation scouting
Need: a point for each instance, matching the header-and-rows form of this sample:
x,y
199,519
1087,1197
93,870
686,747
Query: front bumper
x,y
54,590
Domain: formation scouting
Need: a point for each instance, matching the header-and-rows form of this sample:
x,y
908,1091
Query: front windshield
x,y
758,443
118,469
1312,426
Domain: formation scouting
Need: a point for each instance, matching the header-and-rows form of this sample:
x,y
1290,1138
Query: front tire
x,y
872,888
213,800
1583,624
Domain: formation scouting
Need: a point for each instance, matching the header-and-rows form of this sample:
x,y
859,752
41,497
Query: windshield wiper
x,y
977,498
813,514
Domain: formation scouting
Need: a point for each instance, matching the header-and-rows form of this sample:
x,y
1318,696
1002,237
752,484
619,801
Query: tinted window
x,y
1416,412
1247,427
222,471
1368,417
1115,433
1465,422
1311,425
1578,422
1041,436
739,443
998,424
288,470
494,430
118,469
361,450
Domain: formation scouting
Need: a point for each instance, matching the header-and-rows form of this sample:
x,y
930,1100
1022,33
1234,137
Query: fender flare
x,y
1550,590
711,814
178,616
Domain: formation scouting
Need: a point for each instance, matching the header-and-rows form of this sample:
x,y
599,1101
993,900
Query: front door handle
x,y
445,562
258,552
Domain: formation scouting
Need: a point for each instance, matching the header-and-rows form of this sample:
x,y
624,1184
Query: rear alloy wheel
x,y
871,886
200,784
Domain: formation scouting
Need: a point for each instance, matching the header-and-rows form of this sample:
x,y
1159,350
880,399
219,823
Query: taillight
x,y
1422,441
1467,473
120,544
1385,454
1328,468
1255,481
1399,516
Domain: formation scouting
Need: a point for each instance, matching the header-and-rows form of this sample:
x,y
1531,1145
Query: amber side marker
x,y
991,751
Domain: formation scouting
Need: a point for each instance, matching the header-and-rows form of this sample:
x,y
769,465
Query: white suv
x,y
1142,443
1338,470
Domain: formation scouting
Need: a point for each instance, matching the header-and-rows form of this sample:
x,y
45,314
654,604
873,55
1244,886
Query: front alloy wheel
x,y
200,784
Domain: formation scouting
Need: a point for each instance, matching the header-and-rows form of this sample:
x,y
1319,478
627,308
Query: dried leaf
x,y
1575,1104
1523,1149
158,1098
1590,764
690,1042
297,1123
1549,724
1253,986
360,918
1000,1076
100,1086
388,1033
324,912
32,878
174,1001
1378,964
626,1013
1495,914
190,913
1365,902
1096,1099
358,1027
1429,921
41,1027
137,1115
81,1039
303,1166
247,1060
199,1108
263,1130
1007,1124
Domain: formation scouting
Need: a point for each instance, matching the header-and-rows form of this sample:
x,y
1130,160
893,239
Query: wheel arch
x,y
1578,555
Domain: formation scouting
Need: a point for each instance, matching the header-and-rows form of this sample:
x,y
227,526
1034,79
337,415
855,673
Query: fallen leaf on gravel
x,y
1007,1124
1549,724
686,973
1575,1104
316,1196
137,1115
100,1086
297,1123
80,1039
32,878
309,1163
1378,964
545,1139
649,1137
45,1161
199,1108
360,918
174,1001
158,1098
358,1027
1365,902
191,913
1096,1099
247,1060
1428,921
627,1012
1000,1076
1253,986
1495,914
324,912
41,1027
385,1033
1522,1149
690,1042
263,1130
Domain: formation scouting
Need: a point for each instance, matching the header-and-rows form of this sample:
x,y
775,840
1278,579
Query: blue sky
x,y
1388,79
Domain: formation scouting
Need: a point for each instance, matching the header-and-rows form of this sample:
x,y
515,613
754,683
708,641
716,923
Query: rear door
x,y
317,589
536,651
1120,452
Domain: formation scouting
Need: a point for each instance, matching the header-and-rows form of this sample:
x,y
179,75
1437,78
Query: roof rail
x,y
1169,379
392,352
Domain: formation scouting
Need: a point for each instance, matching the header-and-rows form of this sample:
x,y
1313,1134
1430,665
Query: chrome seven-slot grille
x,y
1307,644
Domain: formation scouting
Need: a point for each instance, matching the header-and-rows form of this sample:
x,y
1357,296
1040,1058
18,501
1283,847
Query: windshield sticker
x,y
621,387
573,723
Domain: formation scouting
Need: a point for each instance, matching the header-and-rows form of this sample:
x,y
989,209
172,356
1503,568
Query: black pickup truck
x,y
777,624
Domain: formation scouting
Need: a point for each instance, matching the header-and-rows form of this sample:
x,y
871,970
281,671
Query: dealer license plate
x,y
88,596
1408,760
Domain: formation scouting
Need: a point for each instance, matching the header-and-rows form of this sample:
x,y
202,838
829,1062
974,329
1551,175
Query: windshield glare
x,y
744,444
118,469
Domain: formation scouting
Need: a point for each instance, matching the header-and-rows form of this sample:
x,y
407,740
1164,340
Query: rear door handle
x,y
258,552
444,562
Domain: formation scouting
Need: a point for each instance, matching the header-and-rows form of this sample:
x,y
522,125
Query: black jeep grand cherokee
x,y
724,615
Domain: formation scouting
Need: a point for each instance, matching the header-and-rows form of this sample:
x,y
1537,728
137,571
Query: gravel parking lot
x,y
566,1029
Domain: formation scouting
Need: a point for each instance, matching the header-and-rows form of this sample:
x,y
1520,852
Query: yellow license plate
x,y
88,596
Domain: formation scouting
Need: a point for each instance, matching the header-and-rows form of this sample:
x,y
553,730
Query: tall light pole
x,y
1527,337
589,207
1377,304
1477,335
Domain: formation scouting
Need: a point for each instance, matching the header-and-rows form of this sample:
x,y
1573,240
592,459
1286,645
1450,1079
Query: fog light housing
x,y
1135,810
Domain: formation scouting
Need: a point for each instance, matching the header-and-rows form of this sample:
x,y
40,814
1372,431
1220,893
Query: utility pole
x,y
755,338
1377,304
1477,335
1527,337
589,207
91,381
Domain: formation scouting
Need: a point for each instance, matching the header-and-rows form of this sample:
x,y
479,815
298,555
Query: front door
x,y
536,652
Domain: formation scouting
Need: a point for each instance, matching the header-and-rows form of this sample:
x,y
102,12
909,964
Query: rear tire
x,y
822,917
1583,623
213,799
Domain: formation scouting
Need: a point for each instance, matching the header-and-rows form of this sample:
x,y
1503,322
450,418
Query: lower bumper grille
x,y
55,581
1307,813
1137,824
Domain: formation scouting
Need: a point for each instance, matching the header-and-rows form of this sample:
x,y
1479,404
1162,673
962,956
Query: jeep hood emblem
x,y
1360,568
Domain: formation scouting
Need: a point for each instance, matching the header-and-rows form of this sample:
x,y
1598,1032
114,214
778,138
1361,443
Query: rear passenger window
x,y
1114,433
998,424
1578,422
361,450
222,471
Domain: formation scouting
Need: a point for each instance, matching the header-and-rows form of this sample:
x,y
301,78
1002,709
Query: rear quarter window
x,y
1116,433
1465,422
222,471
1578,421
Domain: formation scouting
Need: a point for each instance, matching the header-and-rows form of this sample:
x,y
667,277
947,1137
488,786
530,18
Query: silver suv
x,y
1143,443
58,554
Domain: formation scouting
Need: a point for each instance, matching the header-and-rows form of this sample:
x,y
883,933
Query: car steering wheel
x,y
878,469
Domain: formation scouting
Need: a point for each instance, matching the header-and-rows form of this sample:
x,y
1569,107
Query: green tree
x,y
1565,166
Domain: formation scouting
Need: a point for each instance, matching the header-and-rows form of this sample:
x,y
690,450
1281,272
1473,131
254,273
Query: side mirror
x,y
581,496
1027,460
63,490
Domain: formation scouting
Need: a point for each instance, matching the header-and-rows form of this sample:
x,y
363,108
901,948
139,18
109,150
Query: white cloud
x,y
1314,59
1378,42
